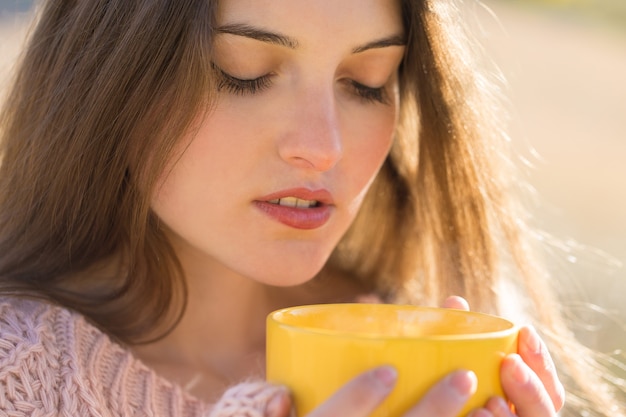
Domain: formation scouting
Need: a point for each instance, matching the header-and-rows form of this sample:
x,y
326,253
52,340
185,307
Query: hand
x,y
361,396
529,378
529,381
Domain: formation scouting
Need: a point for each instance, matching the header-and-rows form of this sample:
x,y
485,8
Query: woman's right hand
x,y
361,396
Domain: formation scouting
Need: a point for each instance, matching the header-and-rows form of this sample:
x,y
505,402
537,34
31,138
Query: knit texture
x,y
54,363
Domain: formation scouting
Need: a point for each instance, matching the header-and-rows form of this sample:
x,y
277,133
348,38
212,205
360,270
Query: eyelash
x,y
369,94
241,87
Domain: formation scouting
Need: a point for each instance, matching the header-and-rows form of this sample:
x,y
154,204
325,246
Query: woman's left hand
x,y
529,378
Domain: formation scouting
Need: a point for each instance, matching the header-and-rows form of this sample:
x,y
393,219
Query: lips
x,y
298,208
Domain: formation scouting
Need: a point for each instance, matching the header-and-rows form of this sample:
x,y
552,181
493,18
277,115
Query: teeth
x,y
305,203
294,202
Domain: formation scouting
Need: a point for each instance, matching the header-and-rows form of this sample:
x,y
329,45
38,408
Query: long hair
x,y
105,90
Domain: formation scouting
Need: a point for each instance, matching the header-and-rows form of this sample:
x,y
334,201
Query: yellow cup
x,y
314,350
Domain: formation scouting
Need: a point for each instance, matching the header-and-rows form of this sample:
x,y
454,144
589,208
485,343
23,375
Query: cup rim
x,y
502,333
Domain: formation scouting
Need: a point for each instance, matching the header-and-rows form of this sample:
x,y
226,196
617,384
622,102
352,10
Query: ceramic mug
x,y
314,350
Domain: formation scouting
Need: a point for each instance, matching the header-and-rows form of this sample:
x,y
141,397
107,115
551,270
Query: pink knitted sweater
x,y
54,363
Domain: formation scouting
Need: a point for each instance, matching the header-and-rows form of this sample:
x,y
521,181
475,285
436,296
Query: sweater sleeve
x,y
248,399
55,363
31,365
131,388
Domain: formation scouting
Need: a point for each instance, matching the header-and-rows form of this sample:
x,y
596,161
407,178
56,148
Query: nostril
x,y
311,153
315,162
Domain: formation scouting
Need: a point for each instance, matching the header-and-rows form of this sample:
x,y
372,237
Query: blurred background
x,y
564,62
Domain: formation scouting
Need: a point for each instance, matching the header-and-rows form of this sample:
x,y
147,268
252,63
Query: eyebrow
x,y
394,40
262,35
258,34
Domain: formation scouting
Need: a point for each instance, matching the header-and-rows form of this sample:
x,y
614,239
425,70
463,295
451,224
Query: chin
x,y
289,265
289,279
288,274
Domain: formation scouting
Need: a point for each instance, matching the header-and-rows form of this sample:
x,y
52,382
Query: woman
x,y
170,164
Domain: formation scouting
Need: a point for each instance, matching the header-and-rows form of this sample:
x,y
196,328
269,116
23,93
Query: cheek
x,y
371,137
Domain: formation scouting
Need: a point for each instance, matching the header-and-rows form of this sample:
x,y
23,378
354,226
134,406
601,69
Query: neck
x,y
220,339
223,325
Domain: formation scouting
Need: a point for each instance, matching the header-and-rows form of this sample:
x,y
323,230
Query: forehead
x,y
330,20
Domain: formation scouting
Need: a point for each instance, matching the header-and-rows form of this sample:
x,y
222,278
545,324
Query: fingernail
x,y
387,375
532,341
464,383
520,373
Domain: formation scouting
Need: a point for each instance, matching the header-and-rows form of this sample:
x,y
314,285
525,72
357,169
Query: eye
x,y
369,94
238,86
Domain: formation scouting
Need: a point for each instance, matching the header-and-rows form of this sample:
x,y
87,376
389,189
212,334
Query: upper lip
x,y
321,195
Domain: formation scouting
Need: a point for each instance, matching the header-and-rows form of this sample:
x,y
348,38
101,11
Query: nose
x,y
312,139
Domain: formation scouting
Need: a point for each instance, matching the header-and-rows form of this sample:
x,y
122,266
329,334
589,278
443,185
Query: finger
x,y
534,352
360,396
498,407
456,302
446,398
524,389
481,412
279,405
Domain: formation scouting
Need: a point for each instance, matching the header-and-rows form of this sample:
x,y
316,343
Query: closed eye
x,y
369,94
239,86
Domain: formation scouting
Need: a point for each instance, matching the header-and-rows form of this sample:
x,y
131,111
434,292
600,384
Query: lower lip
x,y
298,218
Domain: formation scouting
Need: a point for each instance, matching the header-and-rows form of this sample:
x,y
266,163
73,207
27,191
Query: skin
x,y
313,105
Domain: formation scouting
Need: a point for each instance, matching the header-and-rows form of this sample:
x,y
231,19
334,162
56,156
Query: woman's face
x,y
306,109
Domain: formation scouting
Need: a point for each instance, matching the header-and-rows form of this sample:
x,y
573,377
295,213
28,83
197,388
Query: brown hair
x,y
106,89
